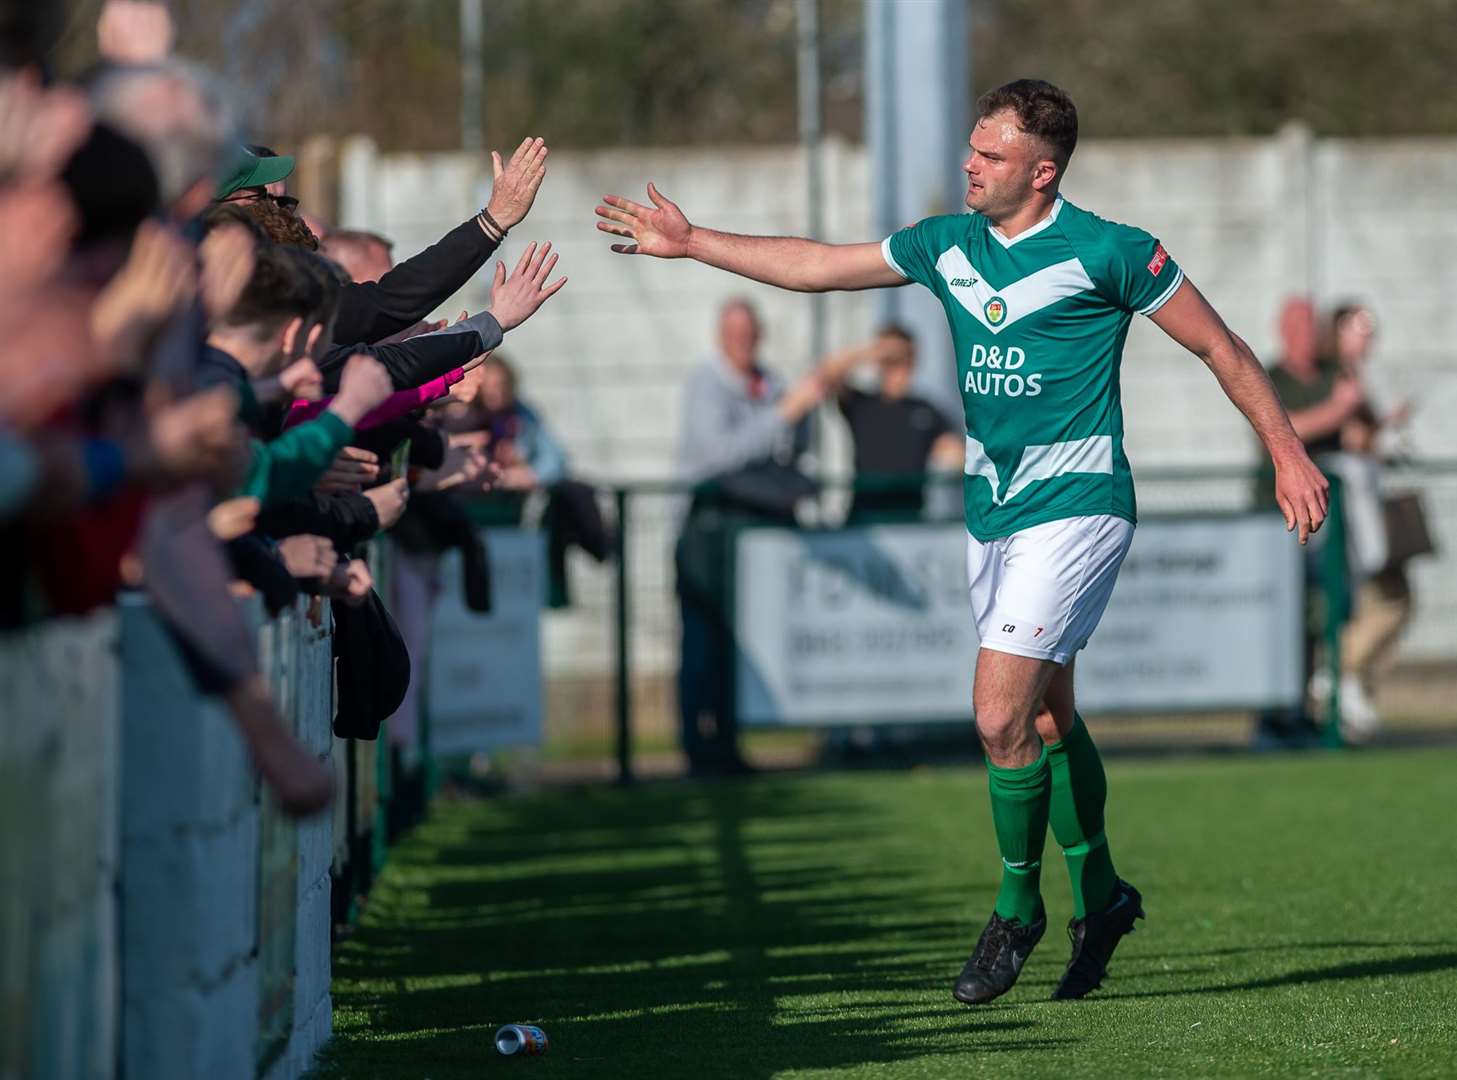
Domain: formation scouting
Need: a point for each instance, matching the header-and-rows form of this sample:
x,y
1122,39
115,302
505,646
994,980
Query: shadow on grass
x,y
1361,969
736,929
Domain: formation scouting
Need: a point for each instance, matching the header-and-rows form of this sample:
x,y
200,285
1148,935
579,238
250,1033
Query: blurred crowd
x,y
207,394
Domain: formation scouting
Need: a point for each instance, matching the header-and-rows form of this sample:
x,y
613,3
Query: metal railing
x,y
1168,492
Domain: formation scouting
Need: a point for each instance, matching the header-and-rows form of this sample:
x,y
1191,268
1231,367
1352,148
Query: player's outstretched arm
x,y
1300,488
786,261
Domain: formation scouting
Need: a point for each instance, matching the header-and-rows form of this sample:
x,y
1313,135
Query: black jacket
x,y
345,518
372,310
419,359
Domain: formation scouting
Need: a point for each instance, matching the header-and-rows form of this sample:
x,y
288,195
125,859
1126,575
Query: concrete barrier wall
x,y
130,934
1252,221
59,850
201,964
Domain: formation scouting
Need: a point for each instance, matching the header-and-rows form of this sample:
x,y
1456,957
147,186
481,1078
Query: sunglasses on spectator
x,y
287,202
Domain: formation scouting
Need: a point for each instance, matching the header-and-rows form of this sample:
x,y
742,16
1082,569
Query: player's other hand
x,y
660,229
1302,491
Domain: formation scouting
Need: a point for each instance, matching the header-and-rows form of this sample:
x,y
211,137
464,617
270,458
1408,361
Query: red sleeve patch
x,y
1156,264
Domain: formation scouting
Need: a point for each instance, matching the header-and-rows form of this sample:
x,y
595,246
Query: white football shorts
x,y
1040,592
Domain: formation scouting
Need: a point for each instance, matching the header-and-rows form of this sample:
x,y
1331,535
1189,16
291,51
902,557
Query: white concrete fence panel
x,y
1251,220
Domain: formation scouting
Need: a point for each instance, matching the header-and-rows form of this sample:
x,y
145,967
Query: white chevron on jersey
x,y
1022,298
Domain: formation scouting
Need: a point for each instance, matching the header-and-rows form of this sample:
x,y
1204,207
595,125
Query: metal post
x,y
917,117
624,636
809,139
1334,580
471,31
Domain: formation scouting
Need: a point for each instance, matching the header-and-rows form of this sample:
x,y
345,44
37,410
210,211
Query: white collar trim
x,y
1045,223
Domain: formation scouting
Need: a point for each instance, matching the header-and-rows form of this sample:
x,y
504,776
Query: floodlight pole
x,y
809,140
917,116
471,31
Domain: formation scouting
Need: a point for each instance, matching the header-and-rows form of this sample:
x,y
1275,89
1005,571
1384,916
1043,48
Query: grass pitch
x,y
1300,922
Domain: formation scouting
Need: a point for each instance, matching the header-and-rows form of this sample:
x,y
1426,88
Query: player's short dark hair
x,y
896,330
1041,109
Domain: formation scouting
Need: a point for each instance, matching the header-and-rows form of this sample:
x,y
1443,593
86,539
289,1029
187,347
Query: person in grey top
x,y
738,419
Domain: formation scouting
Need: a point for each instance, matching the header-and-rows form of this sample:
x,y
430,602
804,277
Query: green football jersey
x,y
1038,323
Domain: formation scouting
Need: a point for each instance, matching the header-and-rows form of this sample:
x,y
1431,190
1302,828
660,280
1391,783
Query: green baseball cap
x,y
249,170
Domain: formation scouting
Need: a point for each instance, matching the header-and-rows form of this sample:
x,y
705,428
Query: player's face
x,y
1002,166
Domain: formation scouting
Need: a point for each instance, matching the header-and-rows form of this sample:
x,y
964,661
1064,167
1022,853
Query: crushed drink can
x,y
521,1039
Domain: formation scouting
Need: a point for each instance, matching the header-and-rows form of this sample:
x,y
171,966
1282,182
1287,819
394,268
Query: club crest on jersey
x,y
996,310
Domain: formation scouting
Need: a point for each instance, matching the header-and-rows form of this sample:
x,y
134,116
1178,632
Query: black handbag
x,y
769,490
373,668
1407,532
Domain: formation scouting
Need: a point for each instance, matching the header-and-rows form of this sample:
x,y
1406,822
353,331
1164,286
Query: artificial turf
x,y
1300,922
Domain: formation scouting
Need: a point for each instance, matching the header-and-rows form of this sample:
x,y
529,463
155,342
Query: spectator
x,y
1320,399
177,114
282,315
528,455
742,430
528,458
277,188
257,174
897,436
1383,599
129,354
365,256
1317,393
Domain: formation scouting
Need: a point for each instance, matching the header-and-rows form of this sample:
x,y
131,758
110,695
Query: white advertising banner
x,y
1207,614
863,625
873,625
485,681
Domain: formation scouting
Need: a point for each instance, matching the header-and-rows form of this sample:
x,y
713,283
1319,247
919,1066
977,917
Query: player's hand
x,y
516,299
1302,492
660,229
514,185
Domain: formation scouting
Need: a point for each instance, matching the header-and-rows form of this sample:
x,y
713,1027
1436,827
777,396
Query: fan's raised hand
x,y
515,299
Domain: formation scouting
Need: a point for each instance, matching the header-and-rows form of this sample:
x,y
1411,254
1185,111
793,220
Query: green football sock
x,y
1019,814
1079,791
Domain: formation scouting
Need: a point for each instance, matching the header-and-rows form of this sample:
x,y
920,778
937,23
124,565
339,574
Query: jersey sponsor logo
x,y
963,282
1156,264
993,357
996,310
987,373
